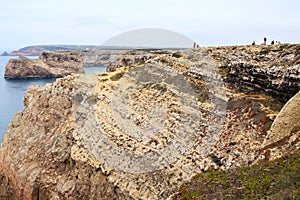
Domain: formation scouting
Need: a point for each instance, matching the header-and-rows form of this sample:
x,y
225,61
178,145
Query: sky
x,y
210,23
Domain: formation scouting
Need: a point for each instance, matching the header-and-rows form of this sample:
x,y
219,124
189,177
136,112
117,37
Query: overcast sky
x,y
209,22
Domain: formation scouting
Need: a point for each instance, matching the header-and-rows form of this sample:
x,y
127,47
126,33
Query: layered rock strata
x,y
273,69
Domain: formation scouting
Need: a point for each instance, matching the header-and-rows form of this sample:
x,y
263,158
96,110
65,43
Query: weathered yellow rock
x,y
283,136
287,121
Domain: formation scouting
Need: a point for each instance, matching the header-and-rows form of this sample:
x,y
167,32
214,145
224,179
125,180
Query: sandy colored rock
x,y
36,150
142,130
287,122
284,133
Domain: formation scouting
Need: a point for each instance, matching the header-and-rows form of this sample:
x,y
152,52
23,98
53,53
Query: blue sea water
x,y
12,92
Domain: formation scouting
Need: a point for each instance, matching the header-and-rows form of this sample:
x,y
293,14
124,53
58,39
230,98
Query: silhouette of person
x,y
265,40
195,45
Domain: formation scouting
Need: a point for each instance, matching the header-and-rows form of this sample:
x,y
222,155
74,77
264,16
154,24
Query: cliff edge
x,y
48,65
141,131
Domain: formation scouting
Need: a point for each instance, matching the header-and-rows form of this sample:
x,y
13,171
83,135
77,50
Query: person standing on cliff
x,y
195,45
265,40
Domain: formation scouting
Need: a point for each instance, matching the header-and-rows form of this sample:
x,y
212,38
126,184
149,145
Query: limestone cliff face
x,y
144,129
48,65
273,69
36,151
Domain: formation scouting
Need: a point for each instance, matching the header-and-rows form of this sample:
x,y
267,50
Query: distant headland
x,y
36,50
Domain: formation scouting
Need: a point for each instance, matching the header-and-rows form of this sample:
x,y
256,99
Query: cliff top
x,y
153,123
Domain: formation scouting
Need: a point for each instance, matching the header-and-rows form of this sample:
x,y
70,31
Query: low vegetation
x,y
279,179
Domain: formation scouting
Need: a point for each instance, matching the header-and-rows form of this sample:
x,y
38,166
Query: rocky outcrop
x,y
138,132
36,153
273,69
96,57
114,59
48,65
283,136
134,57
4,54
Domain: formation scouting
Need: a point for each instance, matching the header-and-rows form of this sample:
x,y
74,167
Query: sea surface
x,y
12,92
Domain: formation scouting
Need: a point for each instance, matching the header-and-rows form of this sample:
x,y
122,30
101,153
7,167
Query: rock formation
x,y
48,65
272,69
114,59
134,57
142,130
283,136
4,54
96,57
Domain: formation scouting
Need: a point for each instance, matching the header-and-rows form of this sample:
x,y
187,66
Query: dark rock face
x,y
4,54
48,65
271,69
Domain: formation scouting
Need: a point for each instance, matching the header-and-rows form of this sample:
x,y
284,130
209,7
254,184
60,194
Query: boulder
x,y
283,136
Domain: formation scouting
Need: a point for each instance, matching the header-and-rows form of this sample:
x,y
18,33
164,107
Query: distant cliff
x,y
149,126
38,49
48,65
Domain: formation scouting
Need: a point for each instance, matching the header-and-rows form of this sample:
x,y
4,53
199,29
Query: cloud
x,y
211,22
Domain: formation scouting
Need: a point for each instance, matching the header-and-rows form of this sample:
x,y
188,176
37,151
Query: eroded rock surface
x,y
96,57
140,131
273,69
48,65
283,136
134,57
36,151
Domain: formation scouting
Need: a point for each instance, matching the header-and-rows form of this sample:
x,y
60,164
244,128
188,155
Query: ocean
x,y
12,92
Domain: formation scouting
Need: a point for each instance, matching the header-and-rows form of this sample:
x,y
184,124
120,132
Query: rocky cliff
x,y
96,57
141,131
134,57
273,69
48,65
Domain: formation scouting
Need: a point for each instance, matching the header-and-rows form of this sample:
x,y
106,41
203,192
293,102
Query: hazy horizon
x,y
92,22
